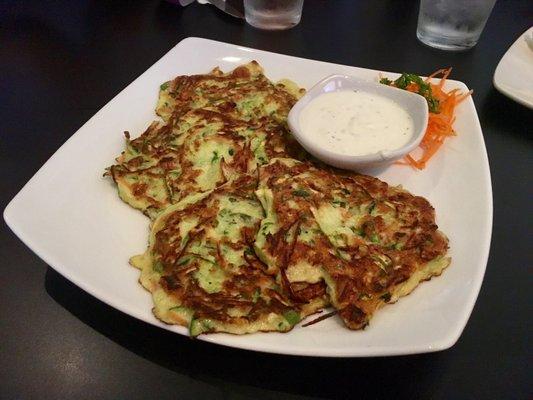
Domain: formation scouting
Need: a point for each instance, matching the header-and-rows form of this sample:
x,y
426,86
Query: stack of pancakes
x,y
248,232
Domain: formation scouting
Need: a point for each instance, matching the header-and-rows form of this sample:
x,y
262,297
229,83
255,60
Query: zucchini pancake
x,y
220,126
203,273
369,242
248,232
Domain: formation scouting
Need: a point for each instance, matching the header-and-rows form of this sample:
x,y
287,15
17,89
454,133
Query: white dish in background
x,y
72,217
514,74
415,105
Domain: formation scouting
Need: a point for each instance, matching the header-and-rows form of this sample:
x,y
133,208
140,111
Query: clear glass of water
x,y
273,14
452,24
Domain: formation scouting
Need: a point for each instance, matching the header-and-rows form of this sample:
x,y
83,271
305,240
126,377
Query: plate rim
x,y
374,351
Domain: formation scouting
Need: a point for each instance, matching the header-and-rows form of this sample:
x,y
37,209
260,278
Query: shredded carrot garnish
x,y
442,111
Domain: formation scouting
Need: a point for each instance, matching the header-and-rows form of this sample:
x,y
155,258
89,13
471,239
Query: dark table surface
x,y
60,62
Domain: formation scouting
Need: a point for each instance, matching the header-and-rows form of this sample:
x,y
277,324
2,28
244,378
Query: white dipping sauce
x,y
356,123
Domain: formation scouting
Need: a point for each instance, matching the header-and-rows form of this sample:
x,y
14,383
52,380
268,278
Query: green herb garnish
x,y
424,89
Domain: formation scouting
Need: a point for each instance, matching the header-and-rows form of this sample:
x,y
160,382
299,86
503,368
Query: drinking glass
x,y
273,14
452,24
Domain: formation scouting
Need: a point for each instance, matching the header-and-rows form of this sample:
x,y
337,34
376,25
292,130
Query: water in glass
x,y
273,14
452,24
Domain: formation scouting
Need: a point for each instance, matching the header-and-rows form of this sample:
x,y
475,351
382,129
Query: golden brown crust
x,y
219,135
247,288
395,234
228,93
252,127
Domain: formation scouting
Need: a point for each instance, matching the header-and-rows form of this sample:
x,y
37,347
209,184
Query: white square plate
x,y
514,74
71,216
